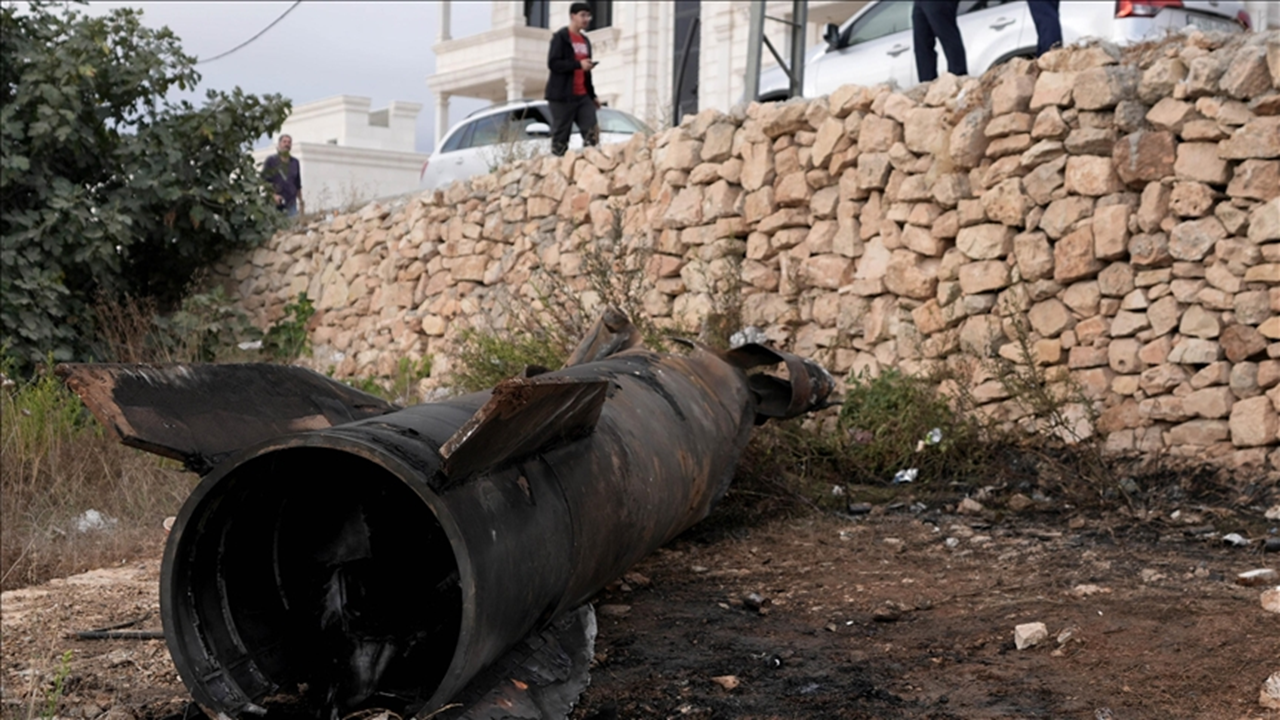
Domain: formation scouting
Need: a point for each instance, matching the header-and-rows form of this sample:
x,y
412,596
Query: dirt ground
x,y
907,611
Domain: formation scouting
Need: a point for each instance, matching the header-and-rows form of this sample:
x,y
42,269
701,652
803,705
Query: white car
x,y
517,130
876,44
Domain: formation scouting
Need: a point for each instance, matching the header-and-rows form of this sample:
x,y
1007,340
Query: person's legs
x,y
588,124
923,38
941,15
1044,13
561,126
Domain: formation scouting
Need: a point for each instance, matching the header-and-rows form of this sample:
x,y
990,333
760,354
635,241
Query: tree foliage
x,y
110,188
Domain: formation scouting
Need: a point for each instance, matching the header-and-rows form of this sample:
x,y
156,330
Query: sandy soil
x,y
906,612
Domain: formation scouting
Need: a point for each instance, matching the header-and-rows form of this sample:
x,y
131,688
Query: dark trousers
x,y
581,110
936,20
1044,13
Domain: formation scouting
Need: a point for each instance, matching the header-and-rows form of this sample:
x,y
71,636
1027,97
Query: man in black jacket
x,y
570,93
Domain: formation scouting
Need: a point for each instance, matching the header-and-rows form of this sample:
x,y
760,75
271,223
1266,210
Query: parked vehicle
x,y
875,45
516,130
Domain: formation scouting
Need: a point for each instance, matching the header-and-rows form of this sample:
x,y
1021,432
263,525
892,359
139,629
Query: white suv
x,y
517,130
876,44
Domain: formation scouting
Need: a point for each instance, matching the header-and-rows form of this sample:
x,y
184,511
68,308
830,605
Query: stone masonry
x,y
1113,218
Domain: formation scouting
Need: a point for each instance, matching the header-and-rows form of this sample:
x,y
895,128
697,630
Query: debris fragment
x,y
1269,696
636,580
969,506
1261,576
91,520
906,476
1273,513
861,508
1235,539
757,602
728,682
1272,545
889,611
1029,634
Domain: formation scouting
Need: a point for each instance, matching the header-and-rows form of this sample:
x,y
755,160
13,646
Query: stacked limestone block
x,y
1114,221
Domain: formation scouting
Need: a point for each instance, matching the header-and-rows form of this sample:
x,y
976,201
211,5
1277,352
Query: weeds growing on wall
x,y
543,330
74,498
287,339
402,387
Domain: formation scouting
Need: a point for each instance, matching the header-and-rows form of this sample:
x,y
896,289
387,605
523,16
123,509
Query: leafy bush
x,y
485,359
208,326
109,187
893,423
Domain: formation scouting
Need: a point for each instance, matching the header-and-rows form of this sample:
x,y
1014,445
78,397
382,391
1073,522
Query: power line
x,y
255,37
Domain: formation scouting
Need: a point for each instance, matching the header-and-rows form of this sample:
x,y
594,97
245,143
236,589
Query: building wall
x,y
350,155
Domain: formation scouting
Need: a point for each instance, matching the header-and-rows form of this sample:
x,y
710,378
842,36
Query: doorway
x,y
686,43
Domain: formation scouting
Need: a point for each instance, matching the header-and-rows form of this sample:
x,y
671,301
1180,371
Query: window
x,y
614,121
601,14
459,139
537,13
884,19
501,128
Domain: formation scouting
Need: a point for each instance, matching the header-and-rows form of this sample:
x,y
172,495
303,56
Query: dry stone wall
x,y
1112,219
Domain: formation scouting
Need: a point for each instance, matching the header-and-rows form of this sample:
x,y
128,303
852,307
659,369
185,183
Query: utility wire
x,y
255,37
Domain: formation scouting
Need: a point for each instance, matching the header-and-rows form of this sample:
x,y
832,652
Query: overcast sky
x,y
379,50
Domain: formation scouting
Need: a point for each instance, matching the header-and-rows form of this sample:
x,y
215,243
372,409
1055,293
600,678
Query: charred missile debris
x,y
343,554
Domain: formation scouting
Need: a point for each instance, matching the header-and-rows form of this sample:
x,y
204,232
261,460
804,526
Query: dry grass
x,y
57,463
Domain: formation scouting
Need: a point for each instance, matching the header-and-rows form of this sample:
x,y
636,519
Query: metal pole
x,y
755,35
799,21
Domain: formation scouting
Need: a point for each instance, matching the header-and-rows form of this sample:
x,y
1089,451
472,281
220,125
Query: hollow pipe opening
x,y
311,579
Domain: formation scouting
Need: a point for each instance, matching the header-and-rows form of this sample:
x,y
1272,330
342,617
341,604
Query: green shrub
x,y
209,326
894,423
484,359
287,339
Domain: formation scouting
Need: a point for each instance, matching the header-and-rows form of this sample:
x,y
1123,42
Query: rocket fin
x,y
199,414
523,416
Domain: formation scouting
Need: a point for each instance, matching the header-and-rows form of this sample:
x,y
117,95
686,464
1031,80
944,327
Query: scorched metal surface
x,y
384,562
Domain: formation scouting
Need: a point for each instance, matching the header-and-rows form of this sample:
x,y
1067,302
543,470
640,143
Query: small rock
x,y
969,506
858,508
1272,545
1269,697
1019,502
1270,600
1150,575
1273,513
614,610
636,580
1067,635
952,542
1261,576
1029,634
888,612
1235,539
1086,590
728,682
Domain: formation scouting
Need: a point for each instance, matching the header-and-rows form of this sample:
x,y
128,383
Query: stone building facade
x,y
1113,221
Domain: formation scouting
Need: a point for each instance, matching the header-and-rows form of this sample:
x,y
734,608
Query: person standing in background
x,y
1044,13
936,20
570,93
284,173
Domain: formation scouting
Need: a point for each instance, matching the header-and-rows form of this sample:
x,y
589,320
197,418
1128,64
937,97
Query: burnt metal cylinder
x,y
344,568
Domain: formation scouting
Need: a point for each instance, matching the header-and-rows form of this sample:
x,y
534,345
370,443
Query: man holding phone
x,y
570,93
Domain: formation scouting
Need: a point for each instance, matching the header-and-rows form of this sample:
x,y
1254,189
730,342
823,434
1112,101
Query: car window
x,y
613,121
458,139
504,127
891,16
